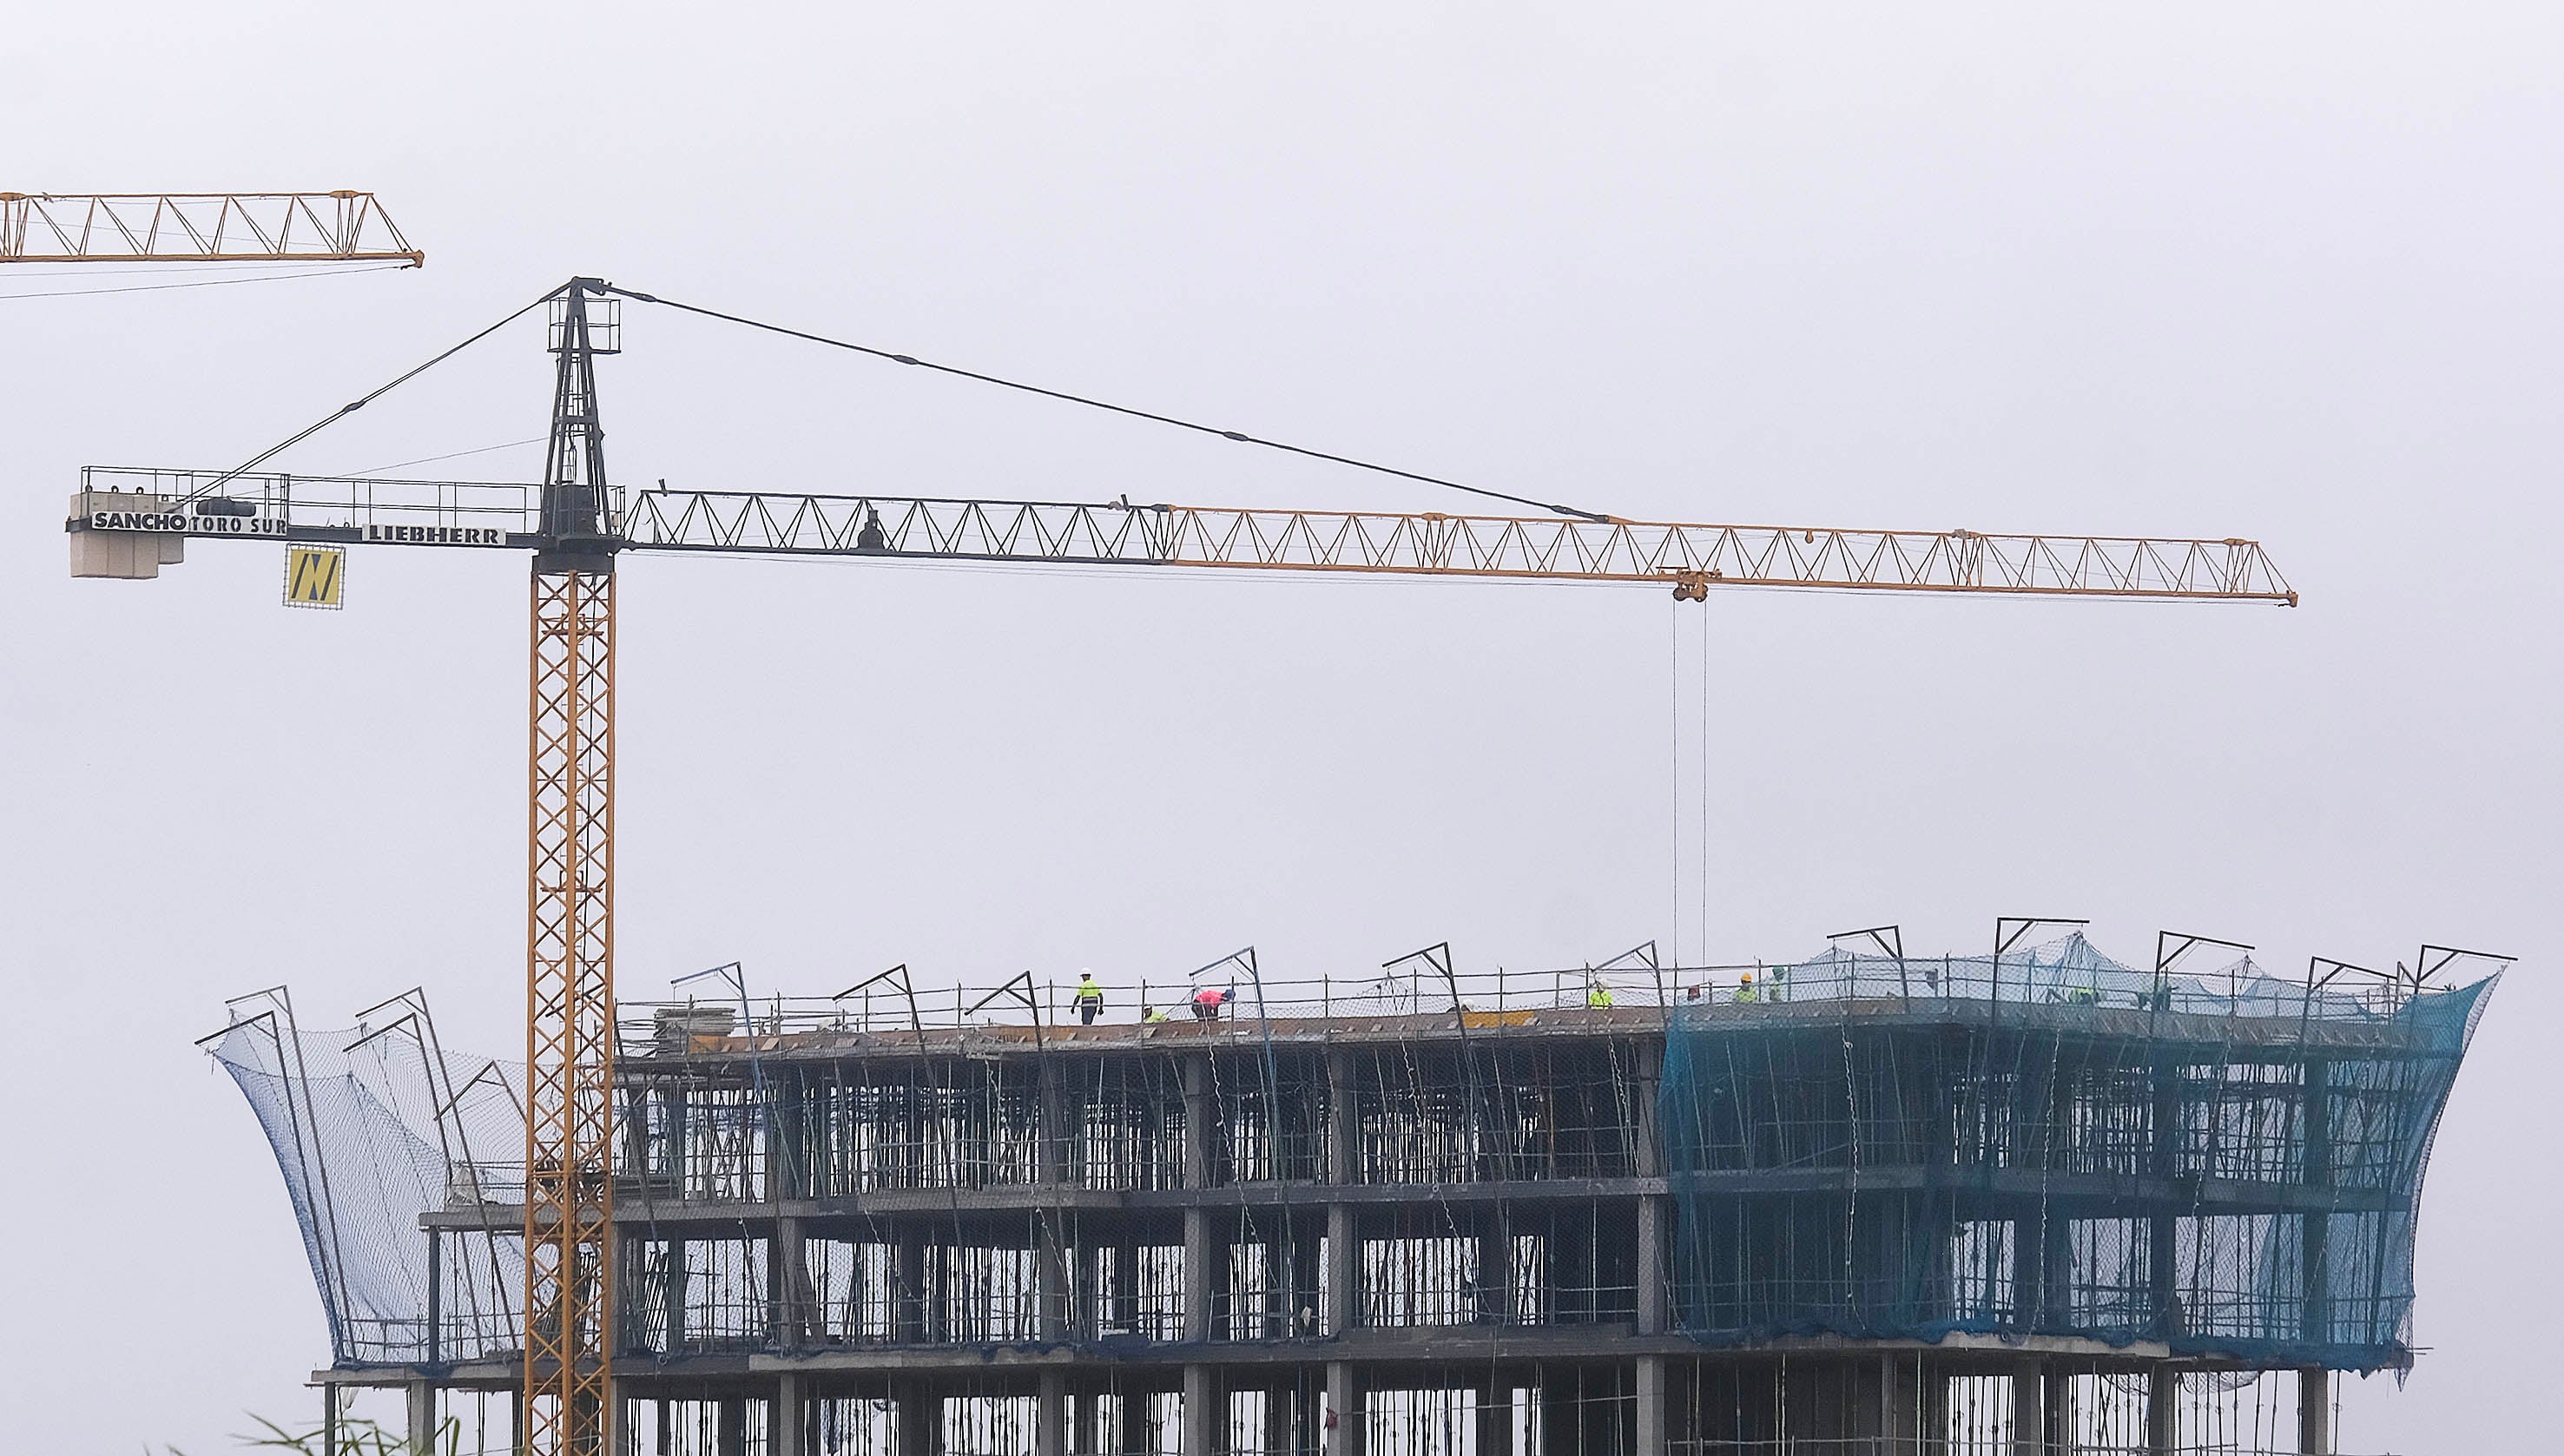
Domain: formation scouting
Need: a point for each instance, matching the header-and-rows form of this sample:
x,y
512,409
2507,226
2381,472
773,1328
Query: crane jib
x,y
118,505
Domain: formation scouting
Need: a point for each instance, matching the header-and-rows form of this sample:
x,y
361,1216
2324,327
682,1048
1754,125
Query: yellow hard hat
x,y
1748,977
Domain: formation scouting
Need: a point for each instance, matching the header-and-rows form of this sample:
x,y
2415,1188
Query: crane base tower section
x,y
1891,1206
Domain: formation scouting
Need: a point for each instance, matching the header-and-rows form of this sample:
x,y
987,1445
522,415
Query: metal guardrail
x,y
1493,998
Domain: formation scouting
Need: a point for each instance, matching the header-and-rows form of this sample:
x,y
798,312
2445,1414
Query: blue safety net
x,y
2054,1143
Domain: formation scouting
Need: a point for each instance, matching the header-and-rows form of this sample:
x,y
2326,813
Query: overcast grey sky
x,y
2285,272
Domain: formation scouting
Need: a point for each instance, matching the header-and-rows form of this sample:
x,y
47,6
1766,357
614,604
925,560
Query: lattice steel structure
x,y
1890,1206
200,227
569,924
569,990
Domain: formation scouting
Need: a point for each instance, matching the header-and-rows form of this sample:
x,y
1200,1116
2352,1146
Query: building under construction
x,y
2032,1201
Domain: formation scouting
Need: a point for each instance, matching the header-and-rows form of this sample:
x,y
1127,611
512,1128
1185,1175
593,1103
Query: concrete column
x,y
917,1420
908,1299
1344,1271
1282,1297
2314,1412
1653,1285
1344,1409
2028,1269
787,1273
328,1421
1201,1274
1343,1303
672,1295
2060,1413
1652,1406
1343,1121
2029,1409
1646,1155
1203,1418
2056,1272
1050,1418
1201,1108
436,1289
1277,1419
420,1408
1495,1419
787,1418
1084,1436
2163,1410
1050,1277
1086,1316
1307,1243
1124,1316
1056,1137
1901,1404
1495,1260
2314,1254
2163,1241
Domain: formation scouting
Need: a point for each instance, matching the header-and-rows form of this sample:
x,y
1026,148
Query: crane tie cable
x,y
360,401
1119,409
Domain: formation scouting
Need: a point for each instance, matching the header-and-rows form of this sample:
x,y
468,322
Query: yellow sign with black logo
x,y
315,576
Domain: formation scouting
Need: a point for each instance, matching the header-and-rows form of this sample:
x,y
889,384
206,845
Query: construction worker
x,y
1206,1003
1090,998
1596,994
1746,990
1149,1014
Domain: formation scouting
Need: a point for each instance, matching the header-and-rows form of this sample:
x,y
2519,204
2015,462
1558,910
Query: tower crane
x,y
576,526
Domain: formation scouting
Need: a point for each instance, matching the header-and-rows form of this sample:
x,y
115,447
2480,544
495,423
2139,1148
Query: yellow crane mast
x,y
576,525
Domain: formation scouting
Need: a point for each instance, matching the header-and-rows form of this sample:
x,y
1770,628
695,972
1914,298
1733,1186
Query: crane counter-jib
x,y
178,505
